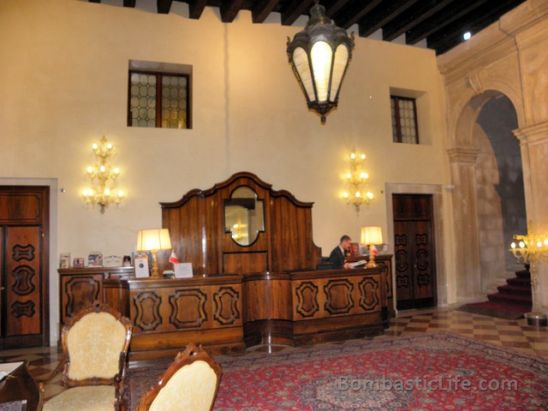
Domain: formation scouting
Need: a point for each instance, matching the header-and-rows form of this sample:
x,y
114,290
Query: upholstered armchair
x,y
95,344
189,384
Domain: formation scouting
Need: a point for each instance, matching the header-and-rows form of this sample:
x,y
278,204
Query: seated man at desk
x,y
338,255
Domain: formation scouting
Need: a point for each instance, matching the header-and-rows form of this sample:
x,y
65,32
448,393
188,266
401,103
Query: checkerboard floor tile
x,y
514,334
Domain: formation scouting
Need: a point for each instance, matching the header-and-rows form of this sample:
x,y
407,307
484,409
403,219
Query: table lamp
x,y
370,236
154,240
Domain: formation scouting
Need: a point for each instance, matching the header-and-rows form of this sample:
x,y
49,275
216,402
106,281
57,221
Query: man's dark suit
x,y
336,258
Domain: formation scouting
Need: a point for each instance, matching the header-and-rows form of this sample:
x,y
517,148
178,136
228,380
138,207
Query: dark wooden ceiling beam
x,y
196,8
94,1
262,9
230,9
335,6
442,19
382,15
129,3
355,12
292,12
412,17
163,6
452,34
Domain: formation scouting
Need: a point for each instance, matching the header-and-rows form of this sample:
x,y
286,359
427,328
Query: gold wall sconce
x,y
356,181
103,177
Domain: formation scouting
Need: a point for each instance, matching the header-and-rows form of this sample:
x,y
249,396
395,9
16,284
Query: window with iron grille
x,y
158,99
405,128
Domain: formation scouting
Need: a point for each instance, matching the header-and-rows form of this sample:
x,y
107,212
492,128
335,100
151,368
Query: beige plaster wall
x,y
64,70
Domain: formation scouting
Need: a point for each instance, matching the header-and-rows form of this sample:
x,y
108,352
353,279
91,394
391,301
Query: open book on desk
x,y
357,264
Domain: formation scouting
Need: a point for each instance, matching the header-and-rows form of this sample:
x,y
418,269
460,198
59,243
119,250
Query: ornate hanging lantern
x,y
320,55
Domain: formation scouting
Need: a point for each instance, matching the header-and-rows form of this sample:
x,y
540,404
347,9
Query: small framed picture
x,y
64,260
126,262
78,262
95,259
141,266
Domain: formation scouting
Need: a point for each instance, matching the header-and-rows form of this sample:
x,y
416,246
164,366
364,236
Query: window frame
x,y
396,100
159,75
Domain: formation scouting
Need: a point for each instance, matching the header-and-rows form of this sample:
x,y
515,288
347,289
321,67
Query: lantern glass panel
x,y
341,59
322,57
300,59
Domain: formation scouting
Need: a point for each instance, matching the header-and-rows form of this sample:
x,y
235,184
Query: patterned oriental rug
x,y
426,372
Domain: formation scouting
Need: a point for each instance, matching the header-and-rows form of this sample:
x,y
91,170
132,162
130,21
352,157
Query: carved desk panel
x,y
167,314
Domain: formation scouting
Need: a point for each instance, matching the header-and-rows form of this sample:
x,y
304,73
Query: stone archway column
x,y
534,153
467,246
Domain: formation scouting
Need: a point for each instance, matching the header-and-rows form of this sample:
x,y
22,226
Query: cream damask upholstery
x,y
192,387
94,344
89,398
190,383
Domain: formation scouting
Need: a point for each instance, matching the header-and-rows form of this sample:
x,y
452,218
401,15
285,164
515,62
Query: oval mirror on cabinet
x,y
244,216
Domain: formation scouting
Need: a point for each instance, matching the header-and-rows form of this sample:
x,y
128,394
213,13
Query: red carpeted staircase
x,y
511,301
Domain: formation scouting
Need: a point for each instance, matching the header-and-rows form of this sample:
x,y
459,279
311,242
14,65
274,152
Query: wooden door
x,y
24,213
414,251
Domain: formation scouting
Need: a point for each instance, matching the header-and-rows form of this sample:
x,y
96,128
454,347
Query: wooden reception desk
x,y
229,312
278,295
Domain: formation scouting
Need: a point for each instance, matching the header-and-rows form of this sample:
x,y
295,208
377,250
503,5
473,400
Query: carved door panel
x,y
414,251
424,258
404,261
23,266
23,313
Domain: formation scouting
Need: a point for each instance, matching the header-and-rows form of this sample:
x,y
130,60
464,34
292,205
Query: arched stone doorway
x,y
500,190
508,57
486,171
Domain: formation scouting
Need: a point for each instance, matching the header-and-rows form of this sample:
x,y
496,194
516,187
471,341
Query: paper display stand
x,y
183,270
141,267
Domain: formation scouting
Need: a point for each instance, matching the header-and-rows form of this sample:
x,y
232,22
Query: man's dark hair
x,y
344,238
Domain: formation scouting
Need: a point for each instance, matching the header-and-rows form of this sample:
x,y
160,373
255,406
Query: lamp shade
x,y
153,240
371,235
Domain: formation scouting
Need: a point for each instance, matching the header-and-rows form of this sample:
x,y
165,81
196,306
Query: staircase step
x,y
515,290
508,311
523,274
510,299
520,282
